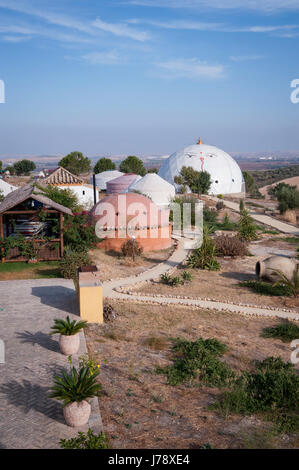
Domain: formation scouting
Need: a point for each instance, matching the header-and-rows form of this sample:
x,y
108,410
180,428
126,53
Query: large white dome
x,y
225,173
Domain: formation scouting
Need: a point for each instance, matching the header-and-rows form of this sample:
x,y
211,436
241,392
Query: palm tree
x,y
292,284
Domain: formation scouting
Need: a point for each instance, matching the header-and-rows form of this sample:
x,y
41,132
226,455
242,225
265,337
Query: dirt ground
x,y
113,265
224,286
139,409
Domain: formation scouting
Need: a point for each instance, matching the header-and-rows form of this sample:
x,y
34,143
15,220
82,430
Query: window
x,y
83,192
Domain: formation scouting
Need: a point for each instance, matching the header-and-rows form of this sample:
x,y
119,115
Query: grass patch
x,y
291,240
285,331
198,360
266,288
273,387
45,269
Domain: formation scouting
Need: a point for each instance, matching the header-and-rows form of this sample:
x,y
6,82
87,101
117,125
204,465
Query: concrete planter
x,y
69,344
77,413
264,269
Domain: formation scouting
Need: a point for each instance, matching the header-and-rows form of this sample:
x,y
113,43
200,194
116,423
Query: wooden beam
x,y
50,211
2,237
61,234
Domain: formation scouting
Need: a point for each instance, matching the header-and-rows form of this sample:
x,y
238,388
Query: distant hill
x,y
269,177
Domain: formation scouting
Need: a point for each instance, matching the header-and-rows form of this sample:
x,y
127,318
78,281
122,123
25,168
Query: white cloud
x,y
190,68
122,30
16,39
245,58
257,5
104,58
216,27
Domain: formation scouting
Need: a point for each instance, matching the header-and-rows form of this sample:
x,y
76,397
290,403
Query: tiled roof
x,y
26,192
62,176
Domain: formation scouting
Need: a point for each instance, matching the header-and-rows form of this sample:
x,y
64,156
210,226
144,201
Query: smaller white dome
x,y
156,188
103,178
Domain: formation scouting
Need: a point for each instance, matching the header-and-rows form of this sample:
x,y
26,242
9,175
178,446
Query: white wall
x,y
6,188
83,193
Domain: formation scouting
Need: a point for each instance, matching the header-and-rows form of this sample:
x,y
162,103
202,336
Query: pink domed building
x,y
120,184
120,217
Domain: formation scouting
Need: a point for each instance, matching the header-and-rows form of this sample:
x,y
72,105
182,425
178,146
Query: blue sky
x,y
148,76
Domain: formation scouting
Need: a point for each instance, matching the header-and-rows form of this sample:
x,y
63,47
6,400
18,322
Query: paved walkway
x,y
29,419
263,219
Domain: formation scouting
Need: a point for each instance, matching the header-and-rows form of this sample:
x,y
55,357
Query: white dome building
x,y
225,173
156,188
103,178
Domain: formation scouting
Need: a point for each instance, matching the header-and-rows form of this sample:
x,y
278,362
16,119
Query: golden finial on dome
x,y
199,141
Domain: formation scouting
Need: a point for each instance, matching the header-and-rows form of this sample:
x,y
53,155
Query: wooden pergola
x,y
24,202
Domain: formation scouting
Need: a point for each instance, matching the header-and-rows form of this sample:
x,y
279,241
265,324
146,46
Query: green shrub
x,y
187,277
67,327
285,331
79,232
86,441
198,360
266,288
165,278
220,205
273,386
230,246
209,216
247,228
75,386
205,256
226,224
71,261
291,284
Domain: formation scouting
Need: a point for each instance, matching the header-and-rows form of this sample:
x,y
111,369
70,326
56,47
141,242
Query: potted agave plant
x,y
74,389
69,340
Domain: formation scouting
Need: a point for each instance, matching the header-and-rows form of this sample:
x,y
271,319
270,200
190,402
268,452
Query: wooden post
x,y
61,234
2,237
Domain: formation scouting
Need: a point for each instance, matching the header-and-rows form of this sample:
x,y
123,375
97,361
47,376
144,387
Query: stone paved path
x,y
264,219
29,419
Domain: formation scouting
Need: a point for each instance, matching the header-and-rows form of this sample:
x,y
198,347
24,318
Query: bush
x,y
71,261
86,441
219,205
247,228
273,386
67,327
226,224
286,331
266,288
76,385
209,216
205,256
131,248
79,232
230,246
198,360
176,280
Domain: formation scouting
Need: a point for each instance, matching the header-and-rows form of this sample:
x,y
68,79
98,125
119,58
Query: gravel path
x,y
112,290
263,219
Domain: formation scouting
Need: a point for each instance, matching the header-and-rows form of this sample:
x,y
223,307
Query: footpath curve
x,y
113,290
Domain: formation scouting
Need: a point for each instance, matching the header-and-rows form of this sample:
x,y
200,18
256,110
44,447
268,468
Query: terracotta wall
x,y
144,239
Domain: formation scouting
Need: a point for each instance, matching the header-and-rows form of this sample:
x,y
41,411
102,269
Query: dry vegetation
x,y
139,409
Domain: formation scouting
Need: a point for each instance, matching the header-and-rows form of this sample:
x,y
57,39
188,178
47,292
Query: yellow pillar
x,y
90,297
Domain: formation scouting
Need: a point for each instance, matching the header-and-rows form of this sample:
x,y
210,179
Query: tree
x,y
23,167
0,165
287,196
65,197
76,163
132,164
10,169
104,164
249,182
198,181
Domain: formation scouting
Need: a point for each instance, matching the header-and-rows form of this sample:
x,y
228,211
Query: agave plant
x,y
292,284
75,386
67,327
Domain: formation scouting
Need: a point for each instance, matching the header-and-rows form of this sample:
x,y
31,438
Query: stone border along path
x,y
29,419
114,290
263,219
